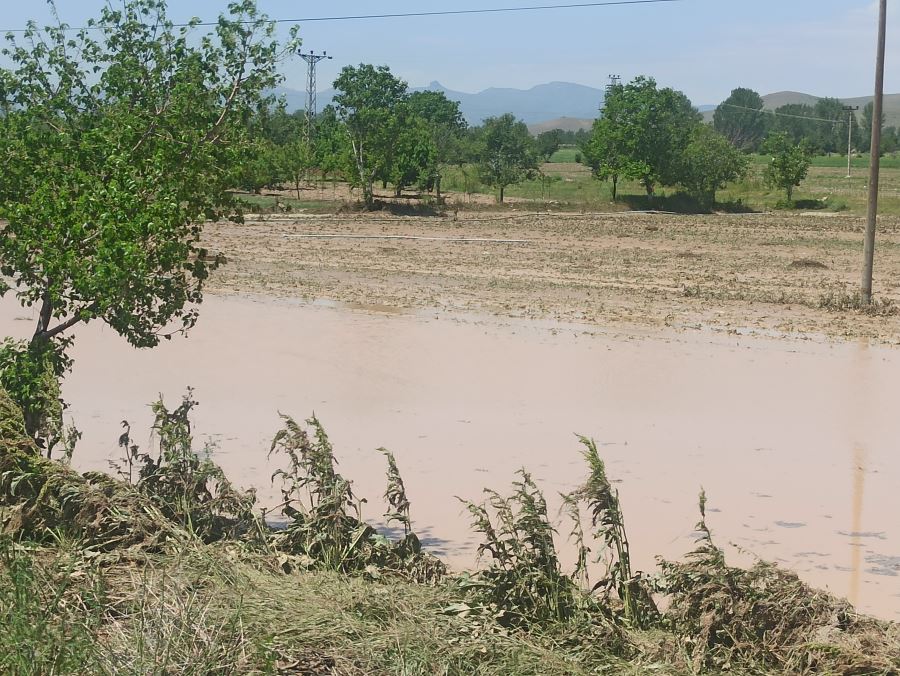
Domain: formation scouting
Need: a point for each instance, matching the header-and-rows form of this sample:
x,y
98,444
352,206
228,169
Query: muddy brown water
x,y
795,441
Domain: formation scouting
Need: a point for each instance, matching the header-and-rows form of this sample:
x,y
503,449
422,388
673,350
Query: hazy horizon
x,y
704,48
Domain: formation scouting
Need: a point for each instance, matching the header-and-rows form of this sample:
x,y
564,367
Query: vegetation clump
x,y
726,617
159,571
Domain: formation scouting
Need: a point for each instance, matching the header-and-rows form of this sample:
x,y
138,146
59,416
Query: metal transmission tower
x,y
614,81
312,60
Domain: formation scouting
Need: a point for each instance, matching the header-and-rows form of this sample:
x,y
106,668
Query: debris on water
x,y
888,566
857,534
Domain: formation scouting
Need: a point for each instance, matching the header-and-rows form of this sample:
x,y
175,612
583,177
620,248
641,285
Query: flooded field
x,y
795,441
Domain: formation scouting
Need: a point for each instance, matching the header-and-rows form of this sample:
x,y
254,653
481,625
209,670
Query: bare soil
x,y
767,273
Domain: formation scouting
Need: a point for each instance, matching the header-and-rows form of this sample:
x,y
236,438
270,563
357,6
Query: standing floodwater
x,y
795,442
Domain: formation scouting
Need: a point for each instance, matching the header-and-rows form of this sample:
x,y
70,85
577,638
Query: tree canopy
x,y
444,125
789,164
118,142
710,162
642,134
740,119
367,103
507,153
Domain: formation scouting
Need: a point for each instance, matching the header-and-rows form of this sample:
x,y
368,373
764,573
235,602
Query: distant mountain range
x,y
564,105
535,105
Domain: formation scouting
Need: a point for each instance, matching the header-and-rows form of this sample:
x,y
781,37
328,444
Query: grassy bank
x,y
174,571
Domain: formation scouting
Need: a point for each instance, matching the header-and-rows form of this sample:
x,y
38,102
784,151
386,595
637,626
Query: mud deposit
x,y
749,273
794,441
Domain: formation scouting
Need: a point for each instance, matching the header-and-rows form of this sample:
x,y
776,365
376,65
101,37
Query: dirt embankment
x,y
761,273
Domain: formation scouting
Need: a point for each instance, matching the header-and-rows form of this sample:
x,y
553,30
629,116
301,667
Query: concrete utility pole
x,y
312,60
875,159
850,110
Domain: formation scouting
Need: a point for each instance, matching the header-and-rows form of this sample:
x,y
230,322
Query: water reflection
x,y
856,545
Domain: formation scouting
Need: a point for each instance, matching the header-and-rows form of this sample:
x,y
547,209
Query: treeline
x,y
378,132
655,136
822,128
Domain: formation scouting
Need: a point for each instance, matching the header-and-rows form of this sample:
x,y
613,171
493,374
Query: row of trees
x,y
821,127
377,131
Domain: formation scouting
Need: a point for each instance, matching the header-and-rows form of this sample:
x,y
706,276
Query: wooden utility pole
x,y
875,159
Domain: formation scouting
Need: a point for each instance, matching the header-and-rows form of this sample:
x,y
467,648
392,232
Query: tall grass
x,y
330,595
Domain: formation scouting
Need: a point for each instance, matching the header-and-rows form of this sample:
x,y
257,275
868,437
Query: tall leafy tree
x,y
331,147
446,127
609,150
796,120
710,162
650,128
117,143
367,103
868,114
789,164
507,153
548,143
832,138
411,159
740,119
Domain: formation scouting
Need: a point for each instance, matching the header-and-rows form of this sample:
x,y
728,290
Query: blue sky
x,y
703,47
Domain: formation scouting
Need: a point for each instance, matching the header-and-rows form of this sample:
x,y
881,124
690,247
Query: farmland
x,y
778,272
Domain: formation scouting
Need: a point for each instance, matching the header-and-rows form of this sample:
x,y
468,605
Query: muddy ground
x,y
758,273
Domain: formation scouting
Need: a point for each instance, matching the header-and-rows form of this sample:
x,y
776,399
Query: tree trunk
x,y
44,318
502,188
615,189
437,189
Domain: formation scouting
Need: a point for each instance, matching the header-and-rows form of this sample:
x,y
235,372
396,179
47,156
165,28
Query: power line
x,y
777,114
404,15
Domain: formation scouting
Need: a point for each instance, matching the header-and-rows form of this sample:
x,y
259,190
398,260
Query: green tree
x,y
293,160
446,127
789,165
411,160
649,130
367,102
608,151
794,119
507,153
117,143
331,147
710,163
548,143
865,142
832,138
740,119
890,140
